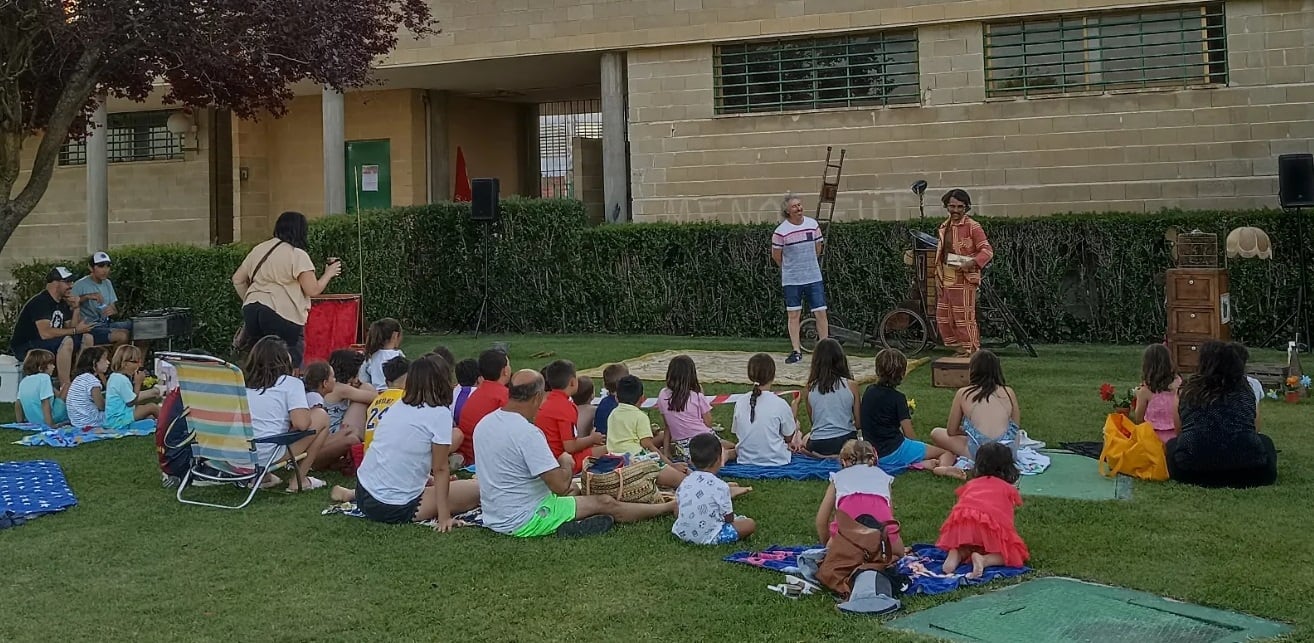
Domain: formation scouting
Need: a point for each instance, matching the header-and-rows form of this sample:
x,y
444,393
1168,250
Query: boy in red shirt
x,y
490,396
558,416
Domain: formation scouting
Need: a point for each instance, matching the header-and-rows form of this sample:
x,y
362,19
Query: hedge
x,y
1068,278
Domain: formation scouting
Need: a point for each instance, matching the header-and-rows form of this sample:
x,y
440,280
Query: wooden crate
x,y
949,372
1269,375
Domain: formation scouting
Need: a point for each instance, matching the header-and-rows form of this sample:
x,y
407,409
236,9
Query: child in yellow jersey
x,y
630,432
394,371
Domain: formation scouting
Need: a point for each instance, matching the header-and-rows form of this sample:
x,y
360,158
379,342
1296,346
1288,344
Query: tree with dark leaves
x,y
57,56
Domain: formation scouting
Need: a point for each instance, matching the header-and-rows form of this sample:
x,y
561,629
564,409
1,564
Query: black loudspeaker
x,y
484,199
1296,180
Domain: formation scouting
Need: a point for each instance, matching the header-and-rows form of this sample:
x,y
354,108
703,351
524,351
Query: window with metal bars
x,y
559,124
131,136
860,70
1180,46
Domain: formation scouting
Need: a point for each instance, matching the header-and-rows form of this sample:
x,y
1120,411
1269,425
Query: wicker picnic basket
x,y
636,482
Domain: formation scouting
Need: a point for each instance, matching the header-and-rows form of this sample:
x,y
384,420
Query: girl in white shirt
x,y
86,393
277,402
406,476
382,343
763,421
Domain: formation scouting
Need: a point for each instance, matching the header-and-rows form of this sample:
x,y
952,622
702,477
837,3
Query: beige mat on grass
x,y
731,367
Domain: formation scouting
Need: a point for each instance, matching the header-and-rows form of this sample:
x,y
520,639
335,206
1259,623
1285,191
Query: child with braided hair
x,y
763,421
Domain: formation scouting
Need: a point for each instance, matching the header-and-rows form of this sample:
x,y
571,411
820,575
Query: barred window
x,y
131,136
1172,47
874,69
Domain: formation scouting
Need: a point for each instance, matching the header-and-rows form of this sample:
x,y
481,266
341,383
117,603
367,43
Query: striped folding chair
x,y
224,444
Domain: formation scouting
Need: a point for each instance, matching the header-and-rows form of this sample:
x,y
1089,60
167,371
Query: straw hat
x,y
1249,242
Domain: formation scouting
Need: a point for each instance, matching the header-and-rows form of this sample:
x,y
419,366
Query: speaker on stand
x,y
1295,193
485,209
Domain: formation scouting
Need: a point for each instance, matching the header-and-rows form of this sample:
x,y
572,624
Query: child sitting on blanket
x,y
684,410
394,370
887,424
382,342
631,432
859,488
86,393
350,398
467,378
984,412
763,421
583,399
705,514
832,401
1156,397
37,402
980,526
610,377
125,402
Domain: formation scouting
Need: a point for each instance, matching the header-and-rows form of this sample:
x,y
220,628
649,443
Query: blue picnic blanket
x,y
922,566
801,467
44,436
33,488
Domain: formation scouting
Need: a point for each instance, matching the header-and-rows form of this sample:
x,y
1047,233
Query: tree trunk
x,y
73,98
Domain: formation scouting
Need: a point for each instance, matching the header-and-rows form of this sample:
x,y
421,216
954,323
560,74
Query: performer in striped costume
x,y
963,252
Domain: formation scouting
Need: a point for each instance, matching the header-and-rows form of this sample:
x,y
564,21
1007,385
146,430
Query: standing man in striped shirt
x,y
794,247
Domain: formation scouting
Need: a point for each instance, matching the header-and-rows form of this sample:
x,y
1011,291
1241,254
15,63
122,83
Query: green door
x,y
369,175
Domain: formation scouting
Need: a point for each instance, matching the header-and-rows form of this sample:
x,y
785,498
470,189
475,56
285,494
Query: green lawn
x,y
130,563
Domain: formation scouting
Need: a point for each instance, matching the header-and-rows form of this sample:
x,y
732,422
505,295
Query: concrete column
x,y
615,133
440,151
335,153
98,181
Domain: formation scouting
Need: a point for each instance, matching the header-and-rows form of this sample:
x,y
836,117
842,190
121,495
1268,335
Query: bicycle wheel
x,y
904,330
807,332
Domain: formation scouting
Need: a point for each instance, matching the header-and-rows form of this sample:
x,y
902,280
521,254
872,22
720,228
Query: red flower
x,y
1106,392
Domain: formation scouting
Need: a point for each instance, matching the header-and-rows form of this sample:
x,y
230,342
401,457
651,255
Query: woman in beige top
x,y
277,280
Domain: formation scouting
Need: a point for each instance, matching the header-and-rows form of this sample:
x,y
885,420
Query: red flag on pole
x,y
462,178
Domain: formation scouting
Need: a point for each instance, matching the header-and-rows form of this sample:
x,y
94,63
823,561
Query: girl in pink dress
x,y
980,526
1157,395
858,488
685,411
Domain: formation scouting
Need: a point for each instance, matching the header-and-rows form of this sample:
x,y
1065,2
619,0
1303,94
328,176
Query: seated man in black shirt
x,y
51,320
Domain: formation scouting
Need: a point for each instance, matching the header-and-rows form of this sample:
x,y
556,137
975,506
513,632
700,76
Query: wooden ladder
x,y
829,190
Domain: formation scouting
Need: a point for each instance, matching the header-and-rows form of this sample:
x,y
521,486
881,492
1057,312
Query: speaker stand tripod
x,y
488,301
1300,316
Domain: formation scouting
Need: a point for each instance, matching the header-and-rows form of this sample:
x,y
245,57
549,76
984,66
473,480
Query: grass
x,y
130,563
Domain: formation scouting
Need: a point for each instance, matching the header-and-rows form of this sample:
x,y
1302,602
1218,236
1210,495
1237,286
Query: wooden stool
x,y
949,372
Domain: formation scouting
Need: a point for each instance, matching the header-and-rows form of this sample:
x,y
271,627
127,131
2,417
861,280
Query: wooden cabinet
x,y
1199,309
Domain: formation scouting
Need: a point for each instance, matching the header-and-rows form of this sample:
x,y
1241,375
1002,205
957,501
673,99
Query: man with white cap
x,y
98,303
50,320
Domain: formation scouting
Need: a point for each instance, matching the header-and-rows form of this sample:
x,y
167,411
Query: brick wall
x,y
477,29
1135,151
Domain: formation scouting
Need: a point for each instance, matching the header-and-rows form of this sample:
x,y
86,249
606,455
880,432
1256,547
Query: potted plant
x,y
1121,404
1293,387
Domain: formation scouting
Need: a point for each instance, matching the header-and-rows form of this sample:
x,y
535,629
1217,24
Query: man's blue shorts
x,y
101,332
814,292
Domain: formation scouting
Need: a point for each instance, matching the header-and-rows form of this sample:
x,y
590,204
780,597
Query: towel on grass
x,y
922,566
68,436
472,518
33,488
801,467
1030,462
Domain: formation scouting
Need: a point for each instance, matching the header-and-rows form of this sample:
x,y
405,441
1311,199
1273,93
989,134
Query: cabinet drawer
x,y
1191,288
1194,321
1186,354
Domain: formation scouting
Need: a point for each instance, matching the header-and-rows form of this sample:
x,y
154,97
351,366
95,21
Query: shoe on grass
x,y
591,526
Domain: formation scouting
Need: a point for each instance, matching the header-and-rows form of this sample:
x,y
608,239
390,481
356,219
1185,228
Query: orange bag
x,y
1132,449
